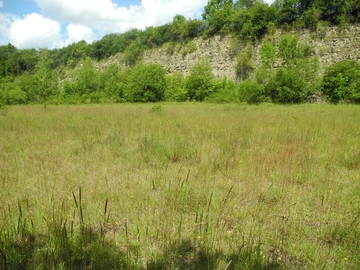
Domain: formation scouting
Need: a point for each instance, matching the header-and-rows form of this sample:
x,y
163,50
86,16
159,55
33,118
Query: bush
x,y
112,82
17,96
341,82
251,92
224,91
199,83
252,23
176,90
297,77
268,55
133,53
146,83
244,65
310,19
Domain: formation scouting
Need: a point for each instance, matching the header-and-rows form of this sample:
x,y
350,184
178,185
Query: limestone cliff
x,y
330,44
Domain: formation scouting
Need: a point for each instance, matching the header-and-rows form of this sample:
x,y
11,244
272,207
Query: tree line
x,y
38,76
295,79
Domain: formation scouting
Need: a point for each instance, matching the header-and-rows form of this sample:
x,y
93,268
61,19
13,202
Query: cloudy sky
x,y
58,23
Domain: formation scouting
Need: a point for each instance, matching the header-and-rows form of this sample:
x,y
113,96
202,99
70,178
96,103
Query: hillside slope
x,y
330,44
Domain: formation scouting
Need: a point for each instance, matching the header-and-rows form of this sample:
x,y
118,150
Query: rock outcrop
x,y
330,44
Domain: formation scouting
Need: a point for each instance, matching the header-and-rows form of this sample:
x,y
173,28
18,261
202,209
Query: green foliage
x,y
51,76
294,83
289,49
199,83
289,11
16,96
252,23
353,11
224,91
170,48
151,37
146,83
133,53
217,13
176,90
251,91
296,79
310,19
244,64
277,4
268,54
189,47
310,12
45,80
113,82
195,28
87,81
331,10
341,82
287,86
14,62
12,94
178,28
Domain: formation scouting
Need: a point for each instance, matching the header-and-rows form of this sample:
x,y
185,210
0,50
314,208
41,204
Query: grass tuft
x,y
180,186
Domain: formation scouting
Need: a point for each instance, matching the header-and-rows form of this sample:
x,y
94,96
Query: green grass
x,y
180,186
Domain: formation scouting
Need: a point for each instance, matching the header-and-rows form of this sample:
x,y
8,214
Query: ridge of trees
x,y
31,75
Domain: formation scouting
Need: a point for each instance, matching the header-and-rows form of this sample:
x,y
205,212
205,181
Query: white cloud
x,y
88,20
5,23
105,16
1,3
78,32
34,31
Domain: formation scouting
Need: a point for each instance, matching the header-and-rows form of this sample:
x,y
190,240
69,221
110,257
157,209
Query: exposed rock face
x,y
331,44
216,50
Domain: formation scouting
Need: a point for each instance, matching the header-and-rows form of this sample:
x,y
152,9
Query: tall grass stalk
x,y
197,186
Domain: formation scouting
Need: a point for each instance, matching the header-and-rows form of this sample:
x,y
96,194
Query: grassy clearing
x,y
180,186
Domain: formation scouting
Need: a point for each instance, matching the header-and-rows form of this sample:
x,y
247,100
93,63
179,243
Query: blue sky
x,y
58,23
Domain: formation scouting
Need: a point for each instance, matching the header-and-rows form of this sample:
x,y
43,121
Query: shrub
x,y
112,82
310,19
251,92
294,84
176,90
252,23
146,83
133,53
341,82
268,54
17,96
224,91
290,49
297,77
244,65
199,83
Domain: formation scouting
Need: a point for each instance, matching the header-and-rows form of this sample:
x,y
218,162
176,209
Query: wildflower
x,y
345,259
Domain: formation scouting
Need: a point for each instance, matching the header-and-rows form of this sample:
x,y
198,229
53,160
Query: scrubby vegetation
x,y
189,185
180,186
68,75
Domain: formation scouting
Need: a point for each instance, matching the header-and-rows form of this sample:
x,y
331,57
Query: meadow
x,y
180,186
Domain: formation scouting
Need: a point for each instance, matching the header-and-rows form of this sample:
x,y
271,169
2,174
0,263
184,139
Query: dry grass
x,y
182,185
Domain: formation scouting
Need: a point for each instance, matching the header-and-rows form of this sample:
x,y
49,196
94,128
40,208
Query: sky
x,y
58,23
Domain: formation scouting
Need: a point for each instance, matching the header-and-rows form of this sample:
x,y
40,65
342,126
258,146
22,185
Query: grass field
x,y
180,186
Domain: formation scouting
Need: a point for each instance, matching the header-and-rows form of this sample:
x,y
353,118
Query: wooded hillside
x,y
50,76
